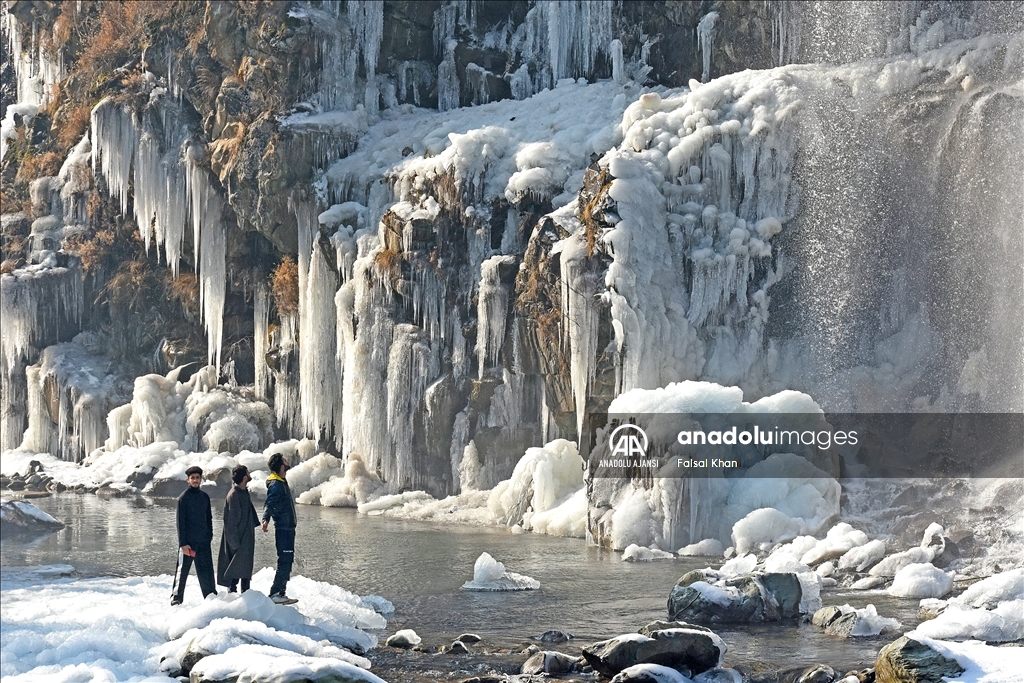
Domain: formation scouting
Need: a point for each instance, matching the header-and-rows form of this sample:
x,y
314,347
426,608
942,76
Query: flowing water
x,y
420,567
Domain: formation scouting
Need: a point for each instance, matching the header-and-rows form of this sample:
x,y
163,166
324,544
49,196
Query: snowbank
x,y
125,629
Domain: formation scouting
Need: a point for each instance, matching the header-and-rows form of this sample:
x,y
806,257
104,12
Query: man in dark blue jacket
x,y
281,508
195,532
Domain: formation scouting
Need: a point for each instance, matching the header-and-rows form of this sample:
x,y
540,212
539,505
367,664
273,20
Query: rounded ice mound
x,y
490,575
921,580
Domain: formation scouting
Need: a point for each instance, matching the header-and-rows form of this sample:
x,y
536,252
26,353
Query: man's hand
x,y
187,549
266,526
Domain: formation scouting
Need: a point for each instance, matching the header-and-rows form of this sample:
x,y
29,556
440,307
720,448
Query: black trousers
x,y
204,570
285,541
233,588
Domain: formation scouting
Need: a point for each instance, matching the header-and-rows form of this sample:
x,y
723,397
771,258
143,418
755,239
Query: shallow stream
x,y
420,566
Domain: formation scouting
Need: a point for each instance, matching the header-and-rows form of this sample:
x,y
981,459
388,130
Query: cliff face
x,y
424,229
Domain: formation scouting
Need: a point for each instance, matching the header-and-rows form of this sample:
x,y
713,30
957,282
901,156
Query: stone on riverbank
x,y
689,650
908,661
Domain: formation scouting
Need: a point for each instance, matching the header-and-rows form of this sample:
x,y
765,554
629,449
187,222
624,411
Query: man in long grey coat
x,y
238,544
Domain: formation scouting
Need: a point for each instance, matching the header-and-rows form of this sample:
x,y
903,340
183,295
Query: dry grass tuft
x,y
284,286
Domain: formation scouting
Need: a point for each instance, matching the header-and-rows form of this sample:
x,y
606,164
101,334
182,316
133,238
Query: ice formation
x,y
490,575
635,553
921,580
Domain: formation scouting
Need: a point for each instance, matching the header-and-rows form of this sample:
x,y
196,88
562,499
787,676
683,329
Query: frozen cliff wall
x,y
487,220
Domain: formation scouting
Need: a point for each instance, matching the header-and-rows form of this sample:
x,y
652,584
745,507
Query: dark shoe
x,y
175,602
282,599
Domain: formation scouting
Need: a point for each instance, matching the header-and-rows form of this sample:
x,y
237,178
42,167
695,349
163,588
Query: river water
x,y
419,566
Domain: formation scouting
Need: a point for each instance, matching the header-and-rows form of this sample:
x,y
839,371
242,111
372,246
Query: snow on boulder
x,y
1004,623
839,540
996,589
848,621
921,580
404,639
863,557
709,547
706,596
20,517
636,553
490,575
259,663
649,673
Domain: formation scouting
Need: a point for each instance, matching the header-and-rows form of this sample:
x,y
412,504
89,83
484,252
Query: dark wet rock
x,y
555,637
760,597
109,492
458,648
949,554
909,661
16,485
469,638
484,679
826,615
24,519
682,649
192,655
719,675
166,488
550,662
530,650
819,673
843,626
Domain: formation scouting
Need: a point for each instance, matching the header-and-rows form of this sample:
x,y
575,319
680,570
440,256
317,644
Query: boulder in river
x,y
909,661
689,650
752,597
21,518
550,662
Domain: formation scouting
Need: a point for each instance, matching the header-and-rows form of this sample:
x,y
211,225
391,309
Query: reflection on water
x,y
420,566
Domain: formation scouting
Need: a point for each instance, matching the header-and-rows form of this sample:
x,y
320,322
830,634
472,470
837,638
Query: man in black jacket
x,y
281,508
195,532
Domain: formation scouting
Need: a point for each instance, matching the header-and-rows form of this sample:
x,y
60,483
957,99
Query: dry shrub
x,y
185,290
130,286
388,262
91,250
71,122
284,286
38,166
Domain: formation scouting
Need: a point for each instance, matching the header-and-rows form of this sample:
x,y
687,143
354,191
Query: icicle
x,y
579,320
115,136
261,337
618,75
476,79
705,39
492,311
318,367
448,80
209,239
412,365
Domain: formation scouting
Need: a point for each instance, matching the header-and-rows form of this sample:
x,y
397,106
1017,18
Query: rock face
x,y
743,599
689,649
909,661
